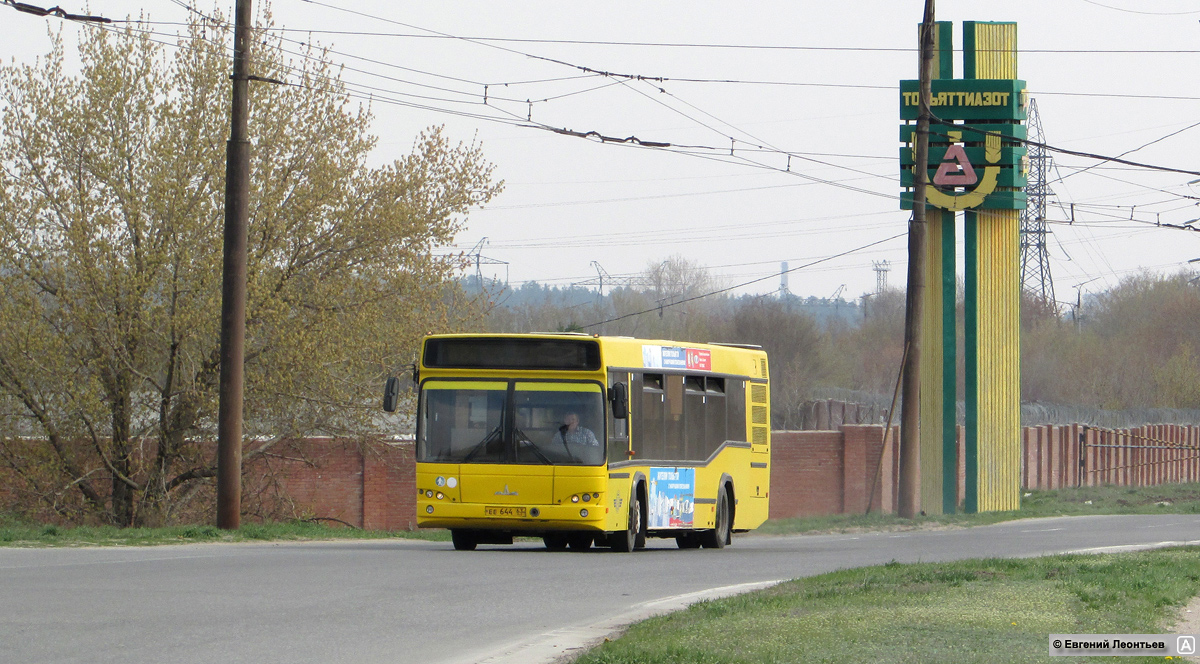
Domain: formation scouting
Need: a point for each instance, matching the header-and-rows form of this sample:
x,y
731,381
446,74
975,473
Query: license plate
x,y
504,511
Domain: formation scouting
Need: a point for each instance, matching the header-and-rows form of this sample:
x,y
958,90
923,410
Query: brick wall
x,y
372,484
389,489
368,485
832,472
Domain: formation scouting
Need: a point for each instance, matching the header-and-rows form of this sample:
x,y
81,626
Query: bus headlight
x,y
575,498
583,513
429,509
440,495
429,493
587,497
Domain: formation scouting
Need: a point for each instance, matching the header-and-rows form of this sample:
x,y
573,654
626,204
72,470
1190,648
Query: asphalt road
x,y
415,601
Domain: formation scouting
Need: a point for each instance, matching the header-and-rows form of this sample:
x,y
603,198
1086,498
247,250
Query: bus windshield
x,y
522,422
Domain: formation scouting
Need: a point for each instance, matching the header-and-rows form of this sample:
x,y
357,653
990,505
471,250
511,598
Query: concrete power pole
x,y
910,416
233,282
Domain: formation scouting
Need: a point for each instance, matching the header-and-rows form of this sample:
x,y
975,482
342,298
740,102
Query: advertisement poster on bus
x,y
675,357
672,497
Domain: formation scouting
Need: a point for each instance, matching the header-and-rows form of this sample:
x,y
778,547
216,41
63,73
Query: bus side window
x,y
715,415
694,408
674,432
648,416
735,398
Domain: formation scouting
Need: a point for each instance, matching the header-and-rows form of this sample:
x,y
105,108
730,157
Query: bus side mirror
x,y
391,394
619,395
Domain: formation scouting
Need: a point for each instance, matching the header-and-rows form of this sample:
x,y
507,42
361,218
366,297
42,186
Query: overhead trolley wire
x,y
700,45
513,119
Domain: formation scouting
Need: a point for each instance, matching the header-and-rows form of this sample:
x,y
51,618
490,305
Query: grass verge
x,y
1163,499
21,534
970,611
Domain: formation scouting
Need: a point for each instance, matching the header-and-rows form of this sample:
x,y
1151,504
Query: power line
x,y
698,45
677,238
1131,151
1134,11
516,120
743,284
1078,153
645,198
58,12
638,236
350,87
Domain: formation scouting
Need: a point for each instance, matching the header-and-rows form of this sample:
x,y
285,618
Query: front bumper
x,y
549,517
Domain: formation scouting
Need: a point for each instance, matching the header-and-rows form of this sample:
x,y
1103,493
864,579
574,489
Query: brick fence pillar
x,y
856,481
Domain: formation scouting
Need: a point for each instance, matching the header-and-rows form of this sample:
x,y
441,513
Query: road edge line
x,y
561,644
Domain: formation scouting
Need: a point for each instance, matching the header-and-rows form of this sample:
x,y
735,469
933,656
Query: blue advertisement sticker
x,y
674,358
672,497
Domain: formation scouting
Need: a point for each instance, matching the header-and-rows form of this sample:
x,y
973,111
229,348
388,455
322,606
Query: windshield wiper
x,y
522,437
495,433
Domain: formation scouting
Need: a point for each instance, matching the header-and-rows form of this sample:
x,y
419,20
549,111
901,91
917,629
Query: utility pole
x,y
910,416
233,282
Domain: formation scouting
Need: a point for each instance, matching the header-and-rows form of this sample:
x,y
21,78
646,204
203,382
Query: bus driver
x,y
571,432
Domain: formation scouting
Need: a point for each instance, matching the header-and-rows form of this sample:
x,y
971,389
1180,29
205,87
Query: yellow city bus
x,y
584,440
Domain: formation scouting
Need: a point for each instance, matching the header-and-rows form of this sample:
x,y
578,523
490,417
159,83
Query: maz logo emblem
x,y
506,492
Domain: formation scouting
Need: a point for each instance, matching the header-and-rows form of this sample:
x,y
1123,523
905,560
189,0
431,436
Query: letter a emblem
x,y
956,169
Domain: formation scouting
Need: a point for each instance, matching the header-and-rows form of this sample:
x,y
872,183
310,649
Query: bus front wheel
x,y
464,540
580,541
555,542
634,536
716,538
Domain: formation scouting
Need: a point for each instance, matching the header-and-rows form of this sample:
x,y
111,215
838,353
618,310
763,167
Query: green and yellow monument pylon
x,y
976,165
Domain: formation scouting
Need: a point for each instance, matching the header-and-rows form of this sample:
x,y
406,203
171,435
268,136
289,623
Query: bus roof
x,y
614,351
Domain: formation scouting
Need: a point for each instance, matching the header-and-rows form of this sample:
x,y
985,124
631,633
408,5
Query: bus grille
x,y
759,415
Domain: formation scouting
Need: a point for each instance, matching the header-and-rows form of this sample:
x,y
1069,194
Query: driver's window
x,y
618,429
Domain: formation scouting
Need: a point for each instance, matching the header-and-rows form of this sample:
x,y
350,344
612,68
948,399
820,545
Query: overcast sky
x,y
816,80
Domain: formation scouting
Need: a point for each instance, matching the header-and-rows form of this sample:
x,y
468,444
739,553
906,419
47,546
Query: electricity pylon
x,y
1035,259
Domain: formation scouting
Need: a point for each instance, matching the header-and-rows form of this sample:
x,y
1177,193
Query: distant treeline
x,y
1134,347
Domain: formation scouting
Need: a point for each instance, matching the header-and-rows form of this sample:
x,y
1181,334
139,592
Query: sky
x,y
781,118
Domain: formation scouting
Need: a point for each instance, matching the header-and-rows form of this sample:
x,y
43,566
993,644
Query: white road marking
x,y
1134,547
551,646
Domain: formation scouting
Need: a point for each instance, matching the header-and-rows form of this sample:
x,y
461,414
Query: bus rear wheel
x,y
464,540
716,538
688,541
